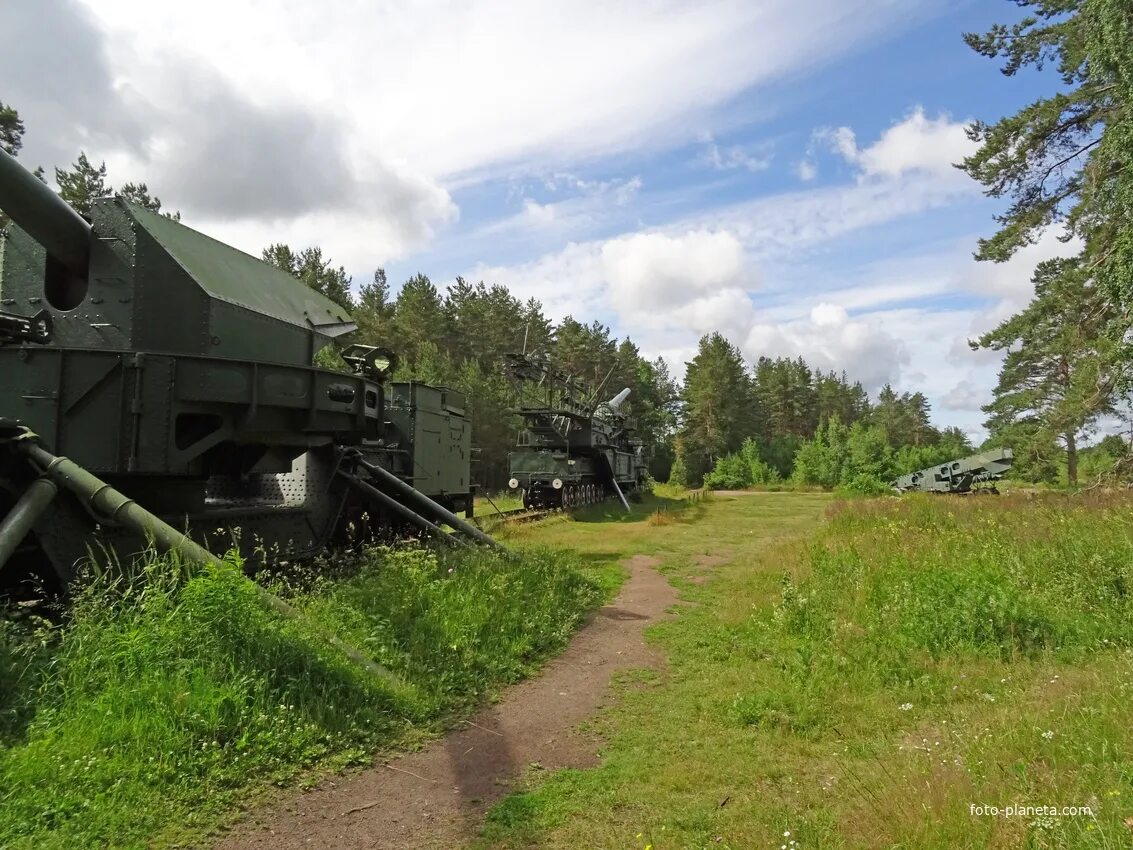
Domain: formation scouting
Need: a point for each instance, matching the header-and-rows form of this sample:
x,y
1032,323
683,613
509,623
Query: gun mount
x,y
572,450
178,370
973,474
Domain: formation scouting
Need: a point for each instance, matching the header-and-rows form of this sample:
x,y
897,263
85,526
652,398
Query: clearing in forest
x,y
918,672
438,796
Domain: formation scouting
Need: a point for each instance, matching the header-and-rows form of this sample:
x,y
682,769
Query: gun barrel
x,y
46,217
617,401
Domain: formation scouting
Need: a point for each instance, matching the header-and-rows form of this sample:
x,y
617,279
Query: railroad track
x,y
520,515
515,515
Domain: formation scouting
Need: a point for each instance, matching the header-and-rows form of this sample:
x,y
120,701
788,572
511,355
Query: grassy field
x,y
159,704
841,675
868,683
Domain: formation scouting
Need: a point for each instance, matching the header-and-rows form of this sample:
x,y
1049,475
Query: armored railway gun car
x,y
571,452
175,371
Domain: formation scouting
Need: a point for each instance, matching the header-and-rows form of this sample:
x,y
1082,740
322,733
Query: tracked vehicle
x,y
156,385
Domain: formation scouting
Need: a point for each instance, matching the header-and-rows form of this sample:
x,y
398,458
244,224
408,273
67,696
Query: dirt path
x,y
438,797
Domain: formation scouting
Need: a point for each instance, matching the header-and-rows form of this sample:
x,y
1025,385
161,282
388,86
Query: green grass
x,y
865,685
161,702
486,504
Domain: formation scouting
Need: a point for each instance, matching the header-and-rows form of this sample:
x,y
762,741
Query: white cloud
x,y
751,158
1010,281
392,99
829,339
594,200
787,223
457,87
806,170
917,143
655,271
538,214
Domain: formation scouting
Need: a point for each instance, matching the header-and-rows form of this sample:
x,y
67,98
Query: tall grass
x,y
868,686
158,700
941,644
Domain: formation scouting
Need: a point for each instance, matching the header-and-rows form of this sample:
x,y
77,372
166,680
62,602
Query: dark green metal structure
x,y
973,474
572,450
177,371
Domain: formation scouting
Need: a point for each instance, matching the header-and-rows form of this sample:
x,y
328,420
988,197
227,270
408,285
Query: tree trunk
x,y
1071,460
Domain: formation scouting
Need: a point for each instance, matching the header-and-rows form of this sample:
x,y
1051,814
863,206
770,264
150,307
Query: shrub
x,y
863,484
741,469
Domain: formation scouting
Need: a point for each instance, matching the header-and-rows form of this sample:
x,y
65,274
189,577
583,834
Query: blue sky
x,y
779,171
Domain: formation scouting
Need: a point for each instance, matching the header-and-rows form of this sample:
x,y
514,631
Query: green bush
x,y
741,469
863,484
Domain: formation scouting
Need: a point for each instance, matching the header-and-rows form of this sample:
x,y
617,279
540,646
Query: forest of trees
x,y
783,420
460,337
1061,162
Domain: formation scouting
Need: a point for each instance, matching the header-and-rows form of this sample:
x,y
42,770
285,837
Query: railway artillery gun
x,y
572,450
973,474
156,387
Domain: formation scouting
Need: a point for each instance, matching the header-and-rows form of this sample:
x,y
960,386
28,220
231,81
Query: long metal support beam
x,y
614,481
24,514
107,502
392,504
395,486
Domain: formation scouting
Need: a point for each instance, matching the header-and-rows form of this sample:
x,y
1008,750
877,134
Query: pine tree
x,y
1058,374
718,405
904,417
1064,160
787,401
834,395
138,193
83,184
11,130
309,266
11,140
374,312
419,317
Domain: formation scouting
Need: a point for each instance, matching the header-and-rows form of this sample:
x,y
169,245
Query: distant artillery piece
x,y
973,474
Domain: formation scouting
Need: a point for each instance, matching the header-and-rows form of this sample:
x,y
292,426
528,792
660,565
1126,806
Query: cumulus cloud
x,y
806,170
915,144
234,162
830,339
685,283
655,271
57,73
